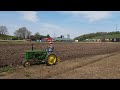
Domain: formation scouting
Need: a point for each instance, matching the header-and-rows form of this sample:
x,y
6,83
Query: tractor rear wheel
x,y
51,60
26,63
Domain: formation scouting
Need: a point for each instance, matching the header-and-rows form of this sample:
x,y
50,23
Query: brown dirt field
x,y
79,61
107,68
13,54
98,67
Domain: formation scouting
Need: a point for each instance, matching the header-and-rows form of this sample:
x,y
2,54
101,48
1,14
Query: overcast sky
x,y
74,23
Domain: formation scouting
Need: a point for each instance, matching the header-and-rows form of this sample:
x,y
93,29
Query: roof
x,y
59,39
47,38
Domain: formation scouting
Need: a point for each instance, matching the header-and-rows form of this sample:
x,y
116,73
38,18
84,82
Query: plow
x,y
39,57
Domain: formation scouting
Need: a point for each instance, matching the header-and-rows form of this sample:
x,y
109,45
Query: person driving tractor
x,y
50,48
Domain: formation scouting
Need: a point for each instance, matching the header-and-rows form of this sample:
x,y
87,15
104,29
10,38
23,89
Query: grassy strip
x,y
7,69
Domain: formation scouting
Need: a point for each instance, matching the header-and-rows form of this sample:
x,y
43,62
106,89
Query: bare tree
x,y
28,34
3,30
22,33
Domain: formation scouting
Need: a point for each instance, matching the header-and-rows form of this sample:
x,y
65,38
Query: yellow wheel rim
x,y
52,59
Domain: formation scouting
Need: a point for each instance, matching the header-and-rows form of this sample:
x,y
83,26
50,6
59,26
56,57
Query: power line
x,y
116,27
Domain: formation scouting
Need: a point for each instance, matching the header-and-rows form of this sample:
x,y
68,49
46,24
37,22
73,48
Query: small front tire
x,y
26,63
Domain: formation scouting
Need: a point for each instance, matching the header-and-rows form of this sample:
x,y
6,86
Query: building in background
x,y
76,41
47,39
62,39
68,36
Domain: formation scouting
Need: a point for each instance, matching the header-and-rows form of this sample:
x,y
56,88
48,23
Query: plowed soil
x,y
93,67
13,54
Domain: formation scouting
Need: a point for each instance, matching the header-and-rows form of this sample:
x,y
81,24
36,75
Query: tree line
x,y
3,30
22,33
92,35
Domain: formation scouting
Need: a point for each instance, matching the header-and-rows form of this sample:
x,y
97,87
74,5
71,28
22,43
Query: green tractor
x,y
39,56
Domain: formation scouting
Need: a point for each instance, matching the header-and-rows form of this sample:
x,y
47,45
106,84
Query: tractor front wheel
x,y
26,63
51,60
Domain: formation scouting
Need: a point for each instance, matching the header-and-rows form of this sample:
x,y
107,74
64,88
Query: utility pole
x,y
54,35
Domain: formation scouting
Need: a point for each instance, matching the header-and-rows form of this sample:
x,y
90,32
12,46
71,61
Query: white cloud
x,y
91,15
47,28
29,15
44,29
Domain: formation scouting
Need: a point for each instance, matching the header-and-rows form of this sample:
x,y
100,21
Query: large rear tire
x,y
51,59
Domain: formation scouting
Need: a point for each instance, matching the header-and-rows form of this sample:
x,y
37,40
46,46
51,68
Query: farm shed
x,y
76,40
92,40
106,38
116,40
47,39
63,40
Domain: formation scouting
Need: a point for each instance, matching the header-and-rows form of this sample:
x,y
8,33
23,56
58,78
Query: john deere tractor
x,y
39,56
